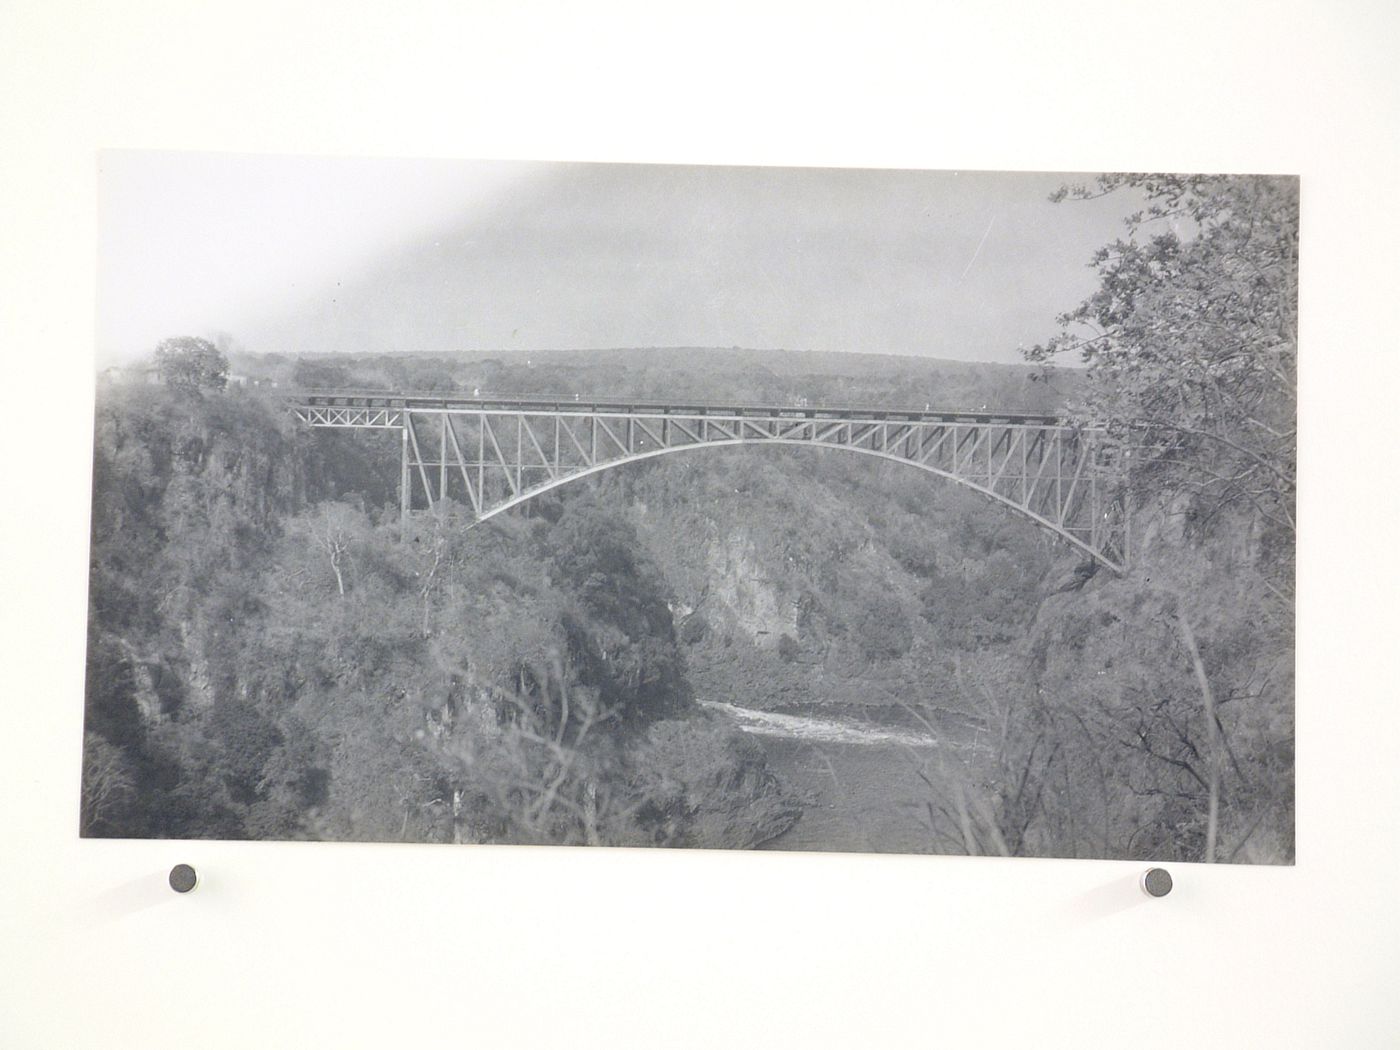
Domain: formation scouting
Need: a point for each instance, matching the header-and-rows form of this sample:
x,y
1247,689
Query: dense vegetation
x,y
270,657
267,660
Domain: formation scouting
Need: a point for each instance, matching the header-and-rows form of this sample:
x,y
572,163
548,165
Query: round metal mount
x,y
183,878
1156,882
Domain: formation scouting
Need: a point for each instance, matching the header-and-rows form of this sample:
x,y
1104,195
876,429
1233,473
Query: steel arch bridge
x,y
494,454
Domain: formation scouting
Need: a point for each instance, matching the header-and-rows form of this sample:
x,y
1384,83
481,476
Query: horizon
x,y
231,351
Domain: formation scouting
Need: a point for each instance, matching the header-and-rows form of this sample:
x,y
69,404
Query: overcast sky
x,y
299,254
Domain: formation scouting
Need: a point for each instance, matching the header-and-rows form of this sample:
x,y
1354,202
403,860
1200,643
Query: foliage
x,y
272,655
321,375
704,784
264,666
1168,694
1191,344
191,364
108,786
982,601
1098,743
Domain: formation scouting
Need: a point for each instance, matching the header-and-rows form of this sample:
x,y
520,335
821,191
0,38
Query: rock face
x,y
744,594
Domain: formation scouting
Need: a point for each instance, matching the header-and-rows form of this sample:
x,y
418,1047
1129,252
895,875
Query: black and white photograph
x,y
805,509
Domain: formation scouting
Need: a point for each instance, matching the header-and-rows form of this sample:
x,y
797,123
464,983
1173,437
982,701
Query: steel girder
x,y
491,456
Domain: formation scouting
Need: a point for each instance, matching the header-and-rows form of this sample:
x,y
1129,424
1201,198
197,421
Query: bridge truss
x,y
491,455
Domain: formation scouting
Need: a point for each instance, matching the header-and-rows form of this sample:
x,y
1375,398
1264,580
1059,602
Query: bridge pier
x,y
405,480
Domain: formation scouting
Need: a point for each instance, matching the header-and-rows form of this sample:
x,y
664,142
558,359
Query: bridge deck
x,y
593,406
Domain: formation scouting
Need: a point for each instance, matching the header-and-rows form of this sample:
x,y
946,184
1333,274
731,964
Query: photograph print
x,y
473,502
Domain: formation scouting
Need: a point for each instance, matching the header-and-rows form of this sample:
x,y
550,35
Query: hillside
x,y
268,657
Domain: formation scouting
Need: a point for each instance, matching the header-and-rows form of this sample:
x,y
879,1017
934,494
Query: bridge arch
x,y
556,483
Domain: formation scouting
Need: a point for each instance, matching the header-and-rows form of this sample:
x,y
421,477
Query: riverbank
x,y
863,787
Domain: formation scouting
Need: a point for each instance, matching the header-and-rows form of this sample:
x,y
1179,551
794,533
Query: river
x,y
857,773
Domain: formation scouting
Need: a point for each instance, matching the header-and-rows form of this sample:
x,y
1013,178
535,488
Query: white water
x,y
817,730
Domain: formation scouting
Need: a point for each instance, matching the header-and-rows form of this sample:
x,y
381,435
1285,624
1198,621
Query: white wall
x,y
301,945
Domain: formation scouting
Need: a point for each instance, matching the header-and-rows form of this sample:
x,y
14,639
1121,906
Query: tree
x,y
108,788
1191,346
321,375
189,363
333,528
